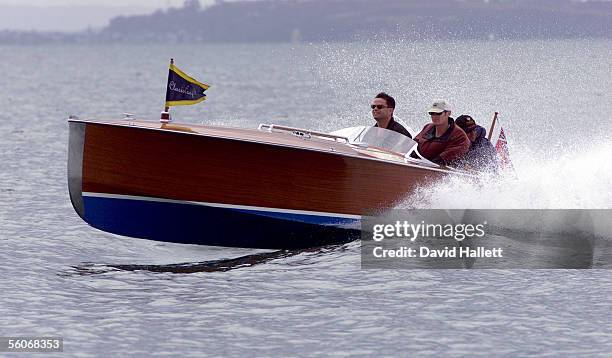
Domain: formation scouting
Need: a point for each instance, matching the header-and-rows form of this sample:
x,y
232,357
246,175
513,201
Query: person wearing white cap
x,y
441,141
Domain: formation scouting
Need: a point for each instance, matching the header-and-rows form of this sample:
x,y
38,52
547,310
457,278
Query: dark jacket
x,y
396,127
482,154
446,149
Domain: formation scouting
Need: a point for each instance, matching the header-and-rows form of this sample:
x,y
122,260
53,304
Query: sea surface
x,y
60,277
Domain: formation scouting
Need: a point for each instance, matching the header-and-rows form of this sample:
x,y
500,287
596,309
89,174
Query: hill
x,y
350,20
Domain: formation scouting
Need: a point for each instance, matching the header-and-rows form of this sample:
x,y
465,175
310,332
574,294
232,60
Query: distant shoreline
x,y
288,43
320,21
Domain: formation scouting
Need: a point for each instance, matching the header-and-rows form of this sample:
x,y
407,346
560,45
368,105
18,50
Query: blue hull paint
x,y
205,225
308,219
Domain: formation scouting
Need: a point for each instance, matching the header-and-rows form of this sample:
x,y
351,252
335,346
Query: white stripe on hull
x,y
224,206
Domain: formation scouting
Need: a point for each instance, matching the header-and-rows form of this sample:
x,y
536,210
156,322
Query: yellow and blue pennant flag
x,y
182,89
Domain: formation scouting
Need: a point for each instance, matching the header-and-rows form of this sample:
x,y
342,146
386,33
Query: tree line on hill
x,y
350,20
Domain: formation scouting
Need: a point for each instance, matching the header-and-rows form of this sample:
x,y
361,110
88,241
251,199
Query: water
x,y
60,277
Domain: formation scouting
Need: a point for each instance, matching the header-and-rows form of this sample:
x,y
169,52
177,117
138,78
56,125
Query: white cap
x,y
439,106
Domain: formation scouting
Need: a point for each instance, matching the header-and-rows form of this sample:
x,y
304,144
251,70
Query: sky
x,y
77,15
74,15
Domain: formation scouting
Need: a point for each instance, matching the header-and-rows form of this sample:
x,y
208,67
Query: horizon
x,y
75,16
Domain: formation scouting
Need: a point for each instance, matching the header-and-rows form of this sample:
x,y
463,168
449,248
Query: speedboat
x,y
272,187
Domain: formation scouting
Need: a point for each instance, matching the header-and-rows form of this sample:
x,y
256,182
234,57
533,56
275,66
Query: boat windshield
x,y
378,137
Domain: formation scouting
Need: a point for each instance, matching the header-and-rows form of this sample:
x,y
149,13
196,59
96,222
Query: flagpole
x,y
492,126
165,115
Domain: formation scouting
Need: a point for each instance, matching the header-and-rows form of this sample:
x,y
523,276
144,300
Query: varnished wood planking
x,y
143,162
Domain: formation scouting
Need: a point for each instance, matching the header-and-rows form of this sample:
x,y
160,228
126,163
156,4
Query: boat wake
x,y
572,180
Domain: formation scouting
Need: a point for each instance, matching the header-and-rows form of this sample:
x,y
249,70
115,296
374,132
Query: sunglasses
x,y
469,129
436,113
378,106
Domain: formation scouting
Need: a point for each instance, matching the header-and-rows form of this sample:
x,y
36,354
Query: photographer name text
x,y
425,252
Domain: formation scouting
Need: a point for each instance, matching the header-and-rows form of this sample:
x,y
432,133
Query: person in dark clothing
x,y
482,154
383,106
441,141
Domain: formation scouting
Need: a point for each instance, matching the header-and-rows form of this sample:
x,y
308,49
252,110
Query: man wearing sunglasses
x,y
441,141
382,111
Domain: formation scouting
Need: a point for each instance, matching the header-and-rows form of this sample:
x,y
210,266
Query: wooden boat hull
x,y
228,187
